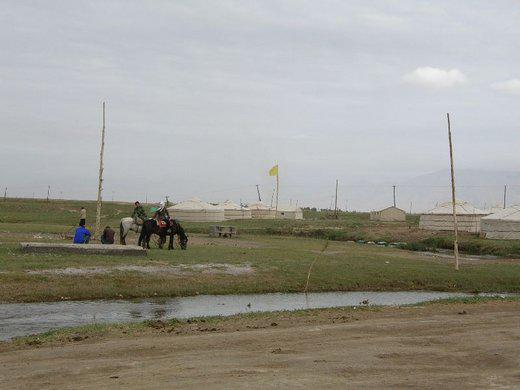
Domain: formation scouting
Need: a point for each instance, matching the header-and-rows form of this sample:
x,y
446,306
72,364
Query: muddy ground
x,y
433,346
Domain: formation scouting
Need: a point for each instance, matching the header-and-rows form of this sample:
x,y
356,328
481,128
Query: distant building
x,y
195,210
260,210
390,214
289,212
441,217
235,211
504,224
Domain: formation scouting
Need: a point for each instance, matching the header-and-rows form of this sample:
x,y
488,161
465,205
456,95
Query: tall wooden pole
x,y
336,201
505,195
48,192
5,194
277,191
455,225
100,179
258,191
394,195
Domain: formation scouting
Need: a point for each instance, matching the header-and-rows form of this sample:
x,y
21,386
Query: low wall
x,y
92,249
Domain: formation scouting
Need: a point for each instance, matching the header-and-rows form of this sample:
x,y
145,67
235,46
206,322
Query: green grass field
x,y
278,252
61,217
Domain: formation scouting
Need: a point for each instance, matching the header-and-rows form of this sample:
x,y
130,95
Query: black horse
x,y
170,227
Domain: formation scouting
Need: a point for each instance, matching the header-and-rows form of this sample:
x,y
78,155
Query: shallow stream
x,y
22,319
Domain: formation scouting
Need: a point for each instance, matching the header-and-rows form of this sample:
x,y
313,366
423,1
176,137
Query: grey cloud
x,y
206,96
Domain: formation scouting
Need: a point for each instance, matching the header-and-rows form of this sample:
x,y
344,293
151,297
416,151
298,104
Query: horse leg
x,y
148,238
141,238
122,234
144,239
170,244
161,241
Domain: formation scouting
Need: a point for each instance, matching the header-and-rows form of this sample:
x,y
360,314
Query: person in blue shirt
x,y
82,235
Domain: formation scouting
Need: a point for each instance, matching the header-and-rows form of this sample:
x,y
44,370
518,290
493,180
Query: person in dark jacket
x,y
139,215
82,235
108,236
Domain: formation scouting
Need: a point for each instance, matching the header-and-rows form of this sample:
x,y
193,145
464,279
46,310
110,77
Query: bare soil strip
x,y
435,346
181,269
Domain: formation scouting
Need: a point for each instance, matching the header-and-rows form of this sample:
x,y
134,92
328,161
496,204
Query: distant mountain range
x,y
483,188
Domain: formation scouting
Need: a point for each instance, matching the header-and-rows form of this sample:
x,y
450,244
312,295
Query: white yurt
x,y
504,224
195,210
289,212
235,211
390,214
260,210
494,209
441,217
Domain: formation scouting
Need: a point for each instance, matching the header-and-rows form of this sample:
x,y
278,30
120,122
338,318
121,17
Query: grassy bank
x,y
274,264
468,244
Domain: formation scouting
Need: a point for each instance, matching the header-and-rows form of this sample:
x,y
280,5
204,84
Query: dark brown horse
x,y
170,227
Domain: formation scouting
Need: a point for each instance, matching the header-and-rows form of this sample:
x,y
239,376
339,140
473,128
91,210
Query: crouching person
x,y
108,236
82,235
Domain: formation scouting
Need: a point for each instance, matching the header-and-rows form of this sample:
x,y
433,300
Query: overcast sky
x,y
204,97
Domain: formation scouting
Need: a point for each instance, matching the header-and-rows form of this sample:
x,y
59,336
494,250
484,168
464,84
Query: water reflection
x,y
159,313
135,313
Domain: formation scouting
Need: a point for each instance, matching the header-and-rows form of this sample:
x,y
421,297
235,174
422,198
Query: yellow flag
x,y
273,171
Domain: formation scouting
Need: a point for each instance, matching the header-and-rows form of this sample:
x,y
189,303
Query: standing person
x,y
82,216
82,235
139,215
108,236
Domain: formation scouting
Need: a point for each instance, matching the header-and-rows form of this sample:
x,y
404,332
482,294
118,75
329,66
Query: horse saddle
x,y
163,224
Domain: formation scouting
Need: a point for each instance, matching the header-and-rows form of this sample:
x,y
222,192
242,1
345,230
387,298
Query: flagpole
x,y
277,190
274,172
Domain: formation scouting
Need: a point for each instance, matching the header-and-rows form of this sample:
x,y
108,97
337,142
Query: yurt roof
x,y
494,209
259,206
230,205
393,207
194,204
509,214
461,208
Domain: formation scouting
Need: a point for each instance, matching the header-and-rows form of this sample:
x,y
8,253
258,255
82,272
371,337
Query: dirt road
x,y
453,346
